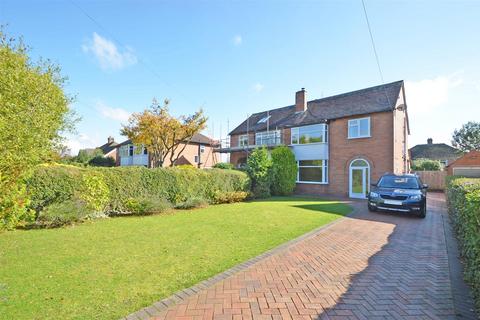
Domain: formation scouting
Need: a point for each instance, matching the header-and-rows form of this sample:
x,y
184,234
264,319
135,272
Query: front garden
x,y
109,268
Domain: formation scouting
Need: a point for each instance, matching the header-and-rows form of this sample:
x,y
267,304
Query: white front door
x,y
359,179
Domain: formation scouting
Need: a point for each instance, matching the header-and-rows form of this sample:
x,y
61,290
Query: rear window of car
x,y
398,182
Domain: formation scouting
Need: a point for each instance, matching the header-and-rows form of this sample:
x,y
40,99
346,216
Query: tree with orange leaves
x,y
164,136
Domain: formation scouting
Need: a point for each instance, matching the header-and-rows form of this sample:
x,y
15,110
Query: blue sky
x,y
238,57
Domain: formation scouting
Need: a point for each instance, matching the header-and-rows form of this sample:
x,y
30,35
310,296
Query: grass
x,y
107,269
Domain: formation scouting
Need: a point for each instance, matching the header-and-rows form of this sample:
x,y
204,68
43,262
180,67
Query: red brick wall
x,y
236,157
377,150
471,159
234,139
208,158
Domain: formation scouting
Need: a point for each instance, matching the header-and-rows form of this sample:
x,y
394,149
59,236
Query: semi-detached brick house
x,y
199,152
341,143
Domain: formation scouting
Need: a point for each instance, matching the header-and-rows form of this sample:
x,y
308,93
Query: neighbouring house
x,y
467,165
199,152
341,143
108,149
441,152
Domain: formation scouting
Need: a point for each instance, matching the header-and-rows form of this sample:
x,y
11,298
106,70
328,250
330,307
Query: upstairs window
x,y
316,133
267,138
202,149
243,140
359,128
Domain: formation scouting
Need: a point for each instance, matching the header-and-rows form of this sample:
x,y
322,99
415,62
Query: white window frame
x,y
260,136
202,148
196,159
241,142
356,122
296,132
324,168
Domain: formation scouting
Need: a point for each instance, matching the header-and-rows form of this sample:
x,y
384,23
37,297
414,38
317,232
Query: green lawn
x,y
109,268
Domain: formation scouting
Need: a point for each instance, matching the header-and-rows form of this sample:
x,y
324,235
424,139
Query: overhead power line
x,y
141,61
375,51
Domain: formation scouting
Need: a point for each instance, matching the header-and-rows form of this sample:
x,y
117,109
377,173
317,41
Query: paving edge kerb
x,y
160,306
463,303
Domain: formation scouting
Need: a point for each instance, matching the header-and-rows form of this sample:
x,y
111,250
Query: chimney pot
x,y
110,140
301,100
430,141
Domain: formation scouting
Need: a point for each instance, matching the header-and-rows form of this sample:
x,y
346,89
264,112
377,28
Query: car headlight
x,y
374,194
416,197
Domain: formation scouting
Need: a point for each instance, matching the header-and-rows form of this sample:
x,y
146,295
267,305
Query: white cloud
x,y
257,87
429,107
425,95
108,55
237,40
117,114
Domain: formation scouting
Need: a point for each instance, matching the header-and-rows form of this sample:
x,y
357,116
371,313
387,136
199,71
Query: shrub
x,y
101,161
224,165
258,168
230,197
284,171
426,165
94,191
463,199
59,214
109,188
150,205
192,203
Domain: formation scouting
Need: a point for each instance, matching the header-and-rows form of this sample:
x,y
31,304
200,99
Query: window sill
x,y
362,137
306,144
310,182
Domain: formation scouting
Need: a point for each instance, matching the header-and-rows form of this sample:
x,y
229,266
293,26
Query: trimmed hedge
x,y
111,189
463,200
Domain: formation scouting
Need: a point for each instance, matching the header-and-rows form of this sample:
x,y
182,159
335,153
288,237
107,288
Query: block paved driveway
x,y
365,266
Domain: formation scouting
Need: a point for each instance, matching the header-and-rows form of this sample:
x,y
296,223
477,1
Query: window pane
x,y
310,174
364,127
353,129
294,133
359,163
310,163
311,134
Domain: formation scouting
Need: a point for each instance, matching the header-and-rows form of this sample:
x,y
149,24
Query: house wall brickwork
x,y
471,159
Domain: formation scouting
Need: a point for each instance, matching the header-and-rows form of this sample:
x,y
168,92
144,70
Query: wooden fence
x,y
434,179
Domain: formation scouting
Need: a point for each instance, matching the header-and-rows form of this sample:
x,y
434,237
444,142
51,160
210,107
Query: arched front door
x,y
359,178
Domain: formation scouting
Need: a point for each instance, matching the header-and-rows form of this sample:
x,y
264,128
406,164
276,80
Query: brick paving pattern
x,y
366,266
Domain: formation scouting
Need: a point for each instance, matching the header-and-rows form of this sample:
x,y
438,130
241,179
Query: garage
x,y
470,172
467,165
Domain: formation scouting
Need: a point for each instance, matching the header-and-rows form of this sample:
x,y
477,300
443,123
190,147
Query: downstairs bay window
x,y
312,171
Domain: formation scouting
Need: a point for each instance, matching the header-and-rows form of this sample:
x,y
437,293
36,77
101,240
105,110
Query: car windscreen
x,y
398,182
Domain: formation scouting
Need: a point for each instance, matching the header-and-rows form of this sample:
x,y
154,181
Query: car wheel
x,y
423,213
371,209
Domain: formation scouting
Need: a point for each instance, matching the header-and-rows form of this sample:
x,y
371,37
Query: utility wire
x,y
375,51
142,62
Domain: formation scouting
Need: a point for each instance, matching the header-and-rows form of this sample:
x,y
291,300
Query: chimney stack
x,y
110,140
301,100
430,141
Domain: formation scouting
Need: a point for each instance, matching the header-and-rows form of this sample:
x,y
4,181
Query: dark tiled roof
x,y
197,138
107,147
375,99
434,151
